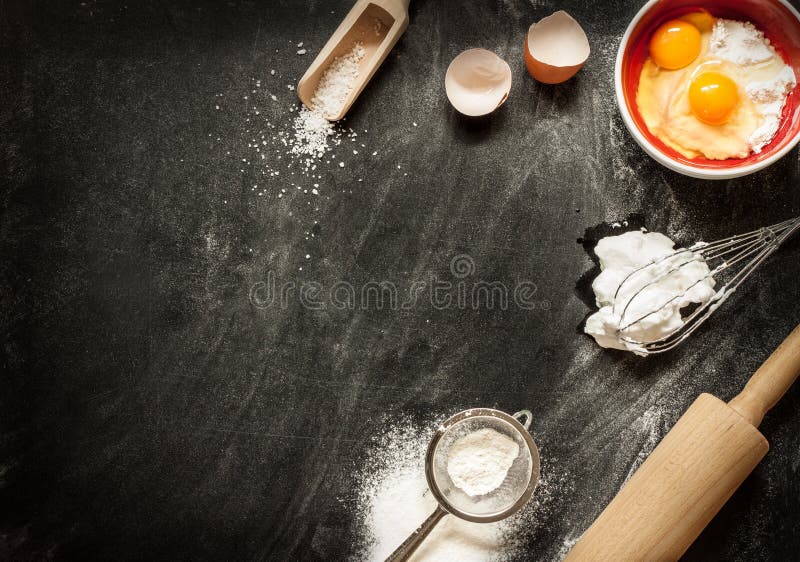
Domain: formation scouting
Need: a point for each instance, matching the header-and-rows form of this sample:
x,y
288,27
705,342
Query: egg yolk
x,y
701,19
713,97
675,44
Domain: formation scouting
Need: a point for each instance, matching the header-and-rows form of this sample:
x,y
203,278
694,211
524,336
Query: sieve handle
x,y
405,550
527,414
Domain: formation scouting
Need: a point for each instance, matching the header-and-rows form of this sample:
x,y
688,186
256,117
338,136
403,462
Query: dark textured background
x,y
150,411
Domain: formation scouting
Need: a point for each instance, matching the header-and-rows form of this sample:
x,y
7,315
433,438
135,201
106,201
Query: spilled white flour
x,y
311,126
649,427
311,132
478,462
393,500
642,288
286,152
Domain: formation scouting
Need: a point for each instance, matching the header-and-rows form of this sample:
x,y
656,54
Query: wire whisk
x,y
733,259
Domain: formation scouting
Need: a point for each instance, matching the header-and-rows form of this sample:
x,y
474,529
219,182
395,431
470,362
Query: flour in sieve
x,y
393,499
479,462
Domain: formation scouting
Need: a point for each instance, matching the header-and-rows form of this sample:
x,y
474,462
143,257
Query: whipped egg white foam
x,y
642,287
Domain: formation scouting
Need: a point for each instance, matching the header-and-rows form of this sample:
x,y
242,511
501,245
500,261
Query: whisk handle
x,y
771,381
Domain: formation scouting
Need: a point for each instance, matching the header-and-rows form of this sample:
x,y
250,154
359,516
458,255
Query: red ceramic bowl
x,y
779,21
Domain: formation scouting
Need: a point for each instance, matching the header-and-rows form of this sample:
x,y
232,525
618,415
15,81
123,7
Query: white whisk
x,y
745,250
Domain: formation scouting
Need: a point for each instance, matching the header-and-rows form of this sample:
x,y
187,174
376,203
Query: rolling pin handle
x,y
771,381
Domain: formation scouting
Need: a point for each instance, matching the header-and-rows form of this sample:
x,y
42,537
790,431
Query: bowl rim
x,y
653,151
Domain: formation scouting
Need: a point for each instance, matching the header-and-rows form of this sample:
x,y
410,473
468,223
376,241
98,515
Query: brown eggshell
x,y
556,47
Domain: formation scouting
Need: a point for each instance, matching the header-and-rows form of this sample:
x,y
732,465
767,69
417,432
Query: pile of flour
x,y
739,42
311,126
393,500
745,45
336,83
478,462
284,149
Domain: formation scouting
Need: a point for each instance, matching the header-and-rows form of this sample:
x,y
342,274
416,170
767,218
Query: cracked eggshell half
x,y
477,82
556,48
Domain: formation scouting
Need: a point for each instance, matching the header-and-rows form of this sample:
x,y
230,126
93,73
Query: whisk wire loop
x,y
750,249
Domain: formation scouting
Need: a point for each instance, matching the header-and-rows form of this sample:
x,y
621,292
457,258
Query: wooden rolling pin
x,y
670,499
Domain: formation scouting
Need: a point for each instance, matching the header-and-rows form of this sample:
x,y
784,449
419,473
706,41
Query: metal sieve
x,y
507,499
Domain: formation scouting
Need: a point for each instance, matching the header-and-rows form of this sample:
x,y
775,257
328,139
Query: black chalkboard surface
x,y
157,404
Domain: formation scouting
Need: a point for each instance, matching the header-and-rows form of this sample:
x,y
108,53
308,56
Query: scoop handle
x,y
389,4
405,550
771,381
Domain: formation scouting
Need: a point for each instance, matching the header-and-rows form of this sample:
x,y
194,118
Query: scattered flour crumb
x,y
393,499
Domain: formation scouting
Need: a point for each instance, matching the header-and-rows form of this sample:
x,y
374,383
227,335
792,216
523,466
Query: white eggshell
x,y
477,82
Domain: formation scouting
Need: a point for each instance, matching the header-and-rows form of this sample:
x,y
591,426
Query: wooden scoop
x,y
693,471
377,25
